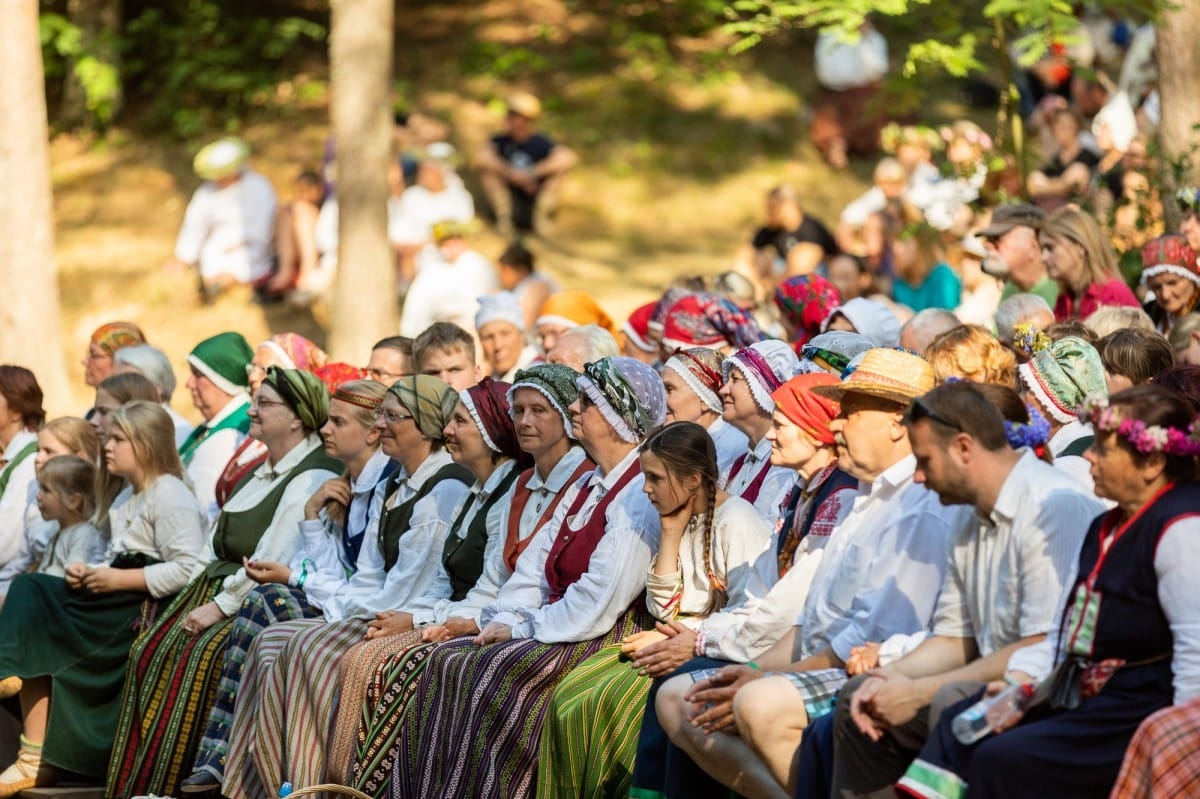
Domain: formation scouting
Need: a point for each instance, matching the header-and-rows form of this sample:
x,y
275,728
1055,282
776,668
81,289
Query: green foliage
x,y
63,50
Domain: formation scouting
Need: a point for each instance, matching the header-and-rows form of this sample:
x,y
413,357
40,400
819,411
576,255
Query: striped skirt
x,y
377,679
169,689
472,728
285,708
265,606
590,735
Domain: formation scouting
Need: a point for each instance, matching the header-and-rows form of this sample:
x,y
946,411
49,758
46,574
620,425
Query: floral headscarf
x,y
705,319
805,301
628,393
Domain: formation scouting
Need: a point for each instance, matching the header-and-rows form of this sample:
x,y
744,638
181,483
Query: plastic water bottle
x,y
991,712
285,790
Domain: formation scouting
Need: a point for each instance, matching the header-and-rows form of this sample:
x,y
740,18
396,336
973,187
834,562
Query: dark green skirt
x,y
81,642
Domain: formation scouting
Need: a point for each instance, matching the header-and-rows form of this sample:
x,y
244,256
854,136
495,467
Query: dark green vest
x,y
395,522
238,532
1078,446
462,557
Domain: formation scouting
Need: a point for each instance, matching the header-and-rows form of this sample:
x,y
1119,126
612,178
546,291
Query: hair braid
x,y
717,594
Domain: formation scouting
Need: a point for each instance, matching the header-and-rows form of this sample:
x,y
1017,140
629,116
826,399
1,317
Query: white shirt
x,y
165,522
1176,563
775,486
230,231
282,538
420,209
883,567
738,536
322,560
616,572
416,581
842,63
15,501
758,631
212,455
79,543
37,535
1006,572
729,442
446,292
528,355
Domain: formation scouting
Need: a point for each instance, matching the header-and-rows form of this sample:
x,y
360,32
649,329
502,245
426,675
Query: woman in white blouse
x,y
702,581
69,638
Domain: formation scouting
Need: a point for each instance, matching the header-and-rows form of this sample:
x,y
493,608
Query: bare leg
x,y
35,706
499,199
725,758
771,717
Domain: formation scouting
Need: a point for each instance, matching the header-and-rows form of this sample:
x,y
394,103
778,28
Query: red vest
x,y
572,549
514,545
750,494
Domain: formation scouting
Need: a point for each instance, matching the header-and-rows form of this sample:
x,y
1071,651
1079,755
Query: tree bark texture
x,y
1178,54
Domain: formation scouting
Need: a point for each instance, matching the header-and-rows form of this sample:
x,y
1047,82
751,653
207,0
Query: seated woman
x,y
1169,270
751,376
174,666
575,590
923,280
377,676
1127,644
398,569
692,379
21,415
336,520
700,583
970,352
804,301
1083,264
69,638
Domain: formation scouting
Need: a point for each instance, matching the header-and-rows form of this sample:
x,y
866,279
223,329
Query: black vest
x,y
395,522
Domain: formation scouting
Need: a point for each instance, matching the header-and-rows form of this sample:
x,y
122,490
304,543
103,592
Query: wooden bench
x,y
65,792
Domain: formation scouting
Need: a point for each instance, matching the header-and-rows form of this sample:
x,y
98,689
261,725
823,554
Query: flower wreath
x,y
1145,438
1032,434
1029,339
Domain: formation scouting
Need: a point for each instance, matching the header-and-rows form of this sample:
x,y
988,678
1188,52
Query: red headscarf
x,y
809,411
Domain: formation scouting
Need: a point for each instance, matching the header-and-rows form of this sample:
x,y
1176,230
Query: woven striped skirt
x,y
169,689
285,708
377,680
472,728
589,738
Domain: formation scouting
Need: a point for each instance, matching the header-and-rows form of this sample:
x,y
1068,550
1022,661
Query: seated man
x,y
522,170
447,352
391,359
1003,581
501,329
790,243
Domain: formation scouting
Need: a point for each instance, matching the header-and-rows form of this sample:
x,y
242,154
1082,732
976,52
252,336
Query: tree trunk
x,y
99,23
1179,92
29,318
360,54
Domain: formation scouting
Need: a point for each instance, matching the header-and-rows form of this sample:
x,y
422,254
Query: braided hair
x,y
686,449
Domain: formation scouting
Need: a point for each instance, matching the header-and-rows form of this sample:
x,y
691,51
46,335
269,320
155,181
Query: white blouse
x,y
165,522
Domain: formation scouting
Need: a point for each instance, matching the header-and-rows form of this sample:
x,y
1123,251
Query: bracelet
x,y
752,665
303,573
699,648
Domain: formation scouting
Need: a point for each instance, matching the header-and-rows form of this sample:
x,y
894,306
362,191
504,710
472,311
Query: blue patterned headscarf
x,y
629,394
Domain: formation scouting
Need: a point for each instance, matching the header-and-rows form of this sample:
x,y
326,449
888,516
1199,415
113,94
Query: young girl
x,y
68,638
66,495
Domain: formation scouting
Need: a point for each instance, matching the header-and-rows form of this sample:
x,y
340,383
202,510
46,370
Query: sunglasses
x,y
920,410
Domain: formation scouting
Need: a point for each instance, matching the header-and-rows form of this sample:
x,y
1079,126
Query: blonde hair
x,y
76,435
970,352
65,475
1111,318
368,390
151,431
1099,259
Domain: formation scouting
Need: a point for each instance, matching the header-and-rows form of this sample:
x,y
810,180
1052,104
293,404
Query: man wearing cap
x,y
522,170
1003,580
450,275
500,325
1012,237
880,575
218,384
229,223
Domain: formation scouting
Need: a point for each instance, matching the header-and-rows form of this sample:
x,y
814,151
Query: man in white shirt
x,y
450,276
1002,584
229,224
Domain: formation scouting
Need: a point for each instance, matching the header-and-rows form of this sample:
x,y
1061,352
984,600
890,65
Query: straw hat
x,y
222,158
887,374
524,104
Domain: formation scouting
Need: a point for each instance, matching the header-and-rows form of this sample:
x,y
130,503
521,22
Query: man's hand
x,y
389,622
714,697
675,646
894,700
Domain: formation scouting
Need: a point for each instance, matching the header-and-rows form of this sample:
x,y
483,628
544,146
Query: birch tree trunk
x,y
1178,54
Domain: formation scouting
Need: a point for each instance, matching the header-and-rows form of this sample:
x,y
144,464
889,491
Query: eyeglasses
x,y
260,403
920,410
253,368
391,417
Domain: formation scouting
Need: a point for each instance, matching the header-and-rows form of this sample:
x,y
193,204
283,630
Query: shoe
x,y
27,772
10,686
200,783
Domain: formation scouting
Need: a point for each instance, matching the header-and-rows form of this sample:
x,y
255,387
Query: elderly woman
x,y
1128,639
1169,270
377,677
566,310
703,319
1083,263
500,326
105,342
174,665
969,352
693,379
291,693
574,591
21,416
153,364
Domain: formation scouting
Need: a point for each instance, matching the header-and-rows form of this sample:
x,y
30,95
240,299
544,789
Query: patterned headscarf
x,y
705,319
809,411
555,382
628,393
574,309
637,328
1169,253
303,392
334,374
700,369
487,402
294,351
805,301
429,400
117,335
766,366
658,315
835,349
1063,375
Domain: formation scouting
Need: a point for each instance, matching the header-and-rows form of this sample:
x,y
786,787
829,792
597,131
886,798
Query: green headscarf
x,y
303,392
429,400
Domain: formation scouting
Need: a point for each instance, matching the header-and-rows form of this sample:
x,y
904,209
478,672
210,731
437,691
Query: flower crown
x,y
1145,438
1032,434
1029,339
